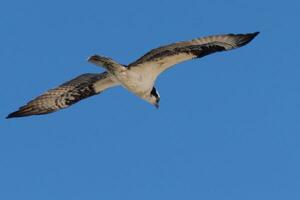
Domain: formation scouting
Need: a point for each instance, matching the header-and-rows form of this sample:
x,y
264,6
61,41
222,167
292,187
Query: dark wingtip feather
x,y
246,38
9,116
15,114
23,112
253,35
28,110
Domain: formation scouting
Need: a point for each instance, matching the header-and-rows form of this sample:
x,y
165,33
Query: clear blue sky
x,y
228,124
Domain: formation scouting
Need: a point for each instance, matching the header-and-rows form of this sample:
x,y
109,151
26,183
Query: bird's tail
x,y
108,63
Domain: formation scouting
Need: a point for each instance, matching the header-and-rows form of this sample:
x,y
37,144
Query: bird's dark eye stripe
x,y
154,92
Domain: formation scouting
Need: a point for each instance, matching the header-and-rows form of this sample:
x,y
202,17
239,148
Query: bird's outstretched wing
x,y
65,95
164,57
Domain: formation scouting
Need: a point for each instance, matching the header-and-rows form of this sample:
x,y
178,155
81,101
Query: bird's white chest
x,y
137,81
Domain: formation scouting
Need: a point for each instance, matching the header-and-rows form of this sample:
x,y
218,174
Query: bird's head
x,y
154,97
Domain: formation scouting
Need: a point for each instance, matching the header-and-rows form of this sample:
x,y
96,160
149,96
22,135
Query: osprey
x,y
138,77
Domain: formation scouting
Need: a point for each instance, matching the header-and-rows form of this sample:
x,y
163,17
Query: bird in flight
x,y
138,77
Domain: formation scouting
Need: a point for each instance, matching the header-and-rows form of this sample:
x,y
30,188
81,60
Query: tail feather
x,y
107,63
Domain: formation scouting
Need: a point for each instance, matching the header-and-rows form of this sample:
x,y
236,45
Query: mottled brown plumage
x,y
65,95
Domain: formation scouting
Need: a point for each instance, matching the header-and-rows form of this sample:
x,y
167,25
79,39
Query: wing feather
x,y
166,56
67,94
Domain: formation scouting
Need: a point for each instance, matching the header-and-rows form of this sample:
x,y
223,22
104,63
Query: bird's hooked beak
x,y
156,105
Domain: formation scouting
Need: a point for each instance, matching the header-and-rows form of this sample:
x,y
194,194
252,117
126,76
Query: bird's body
x,y
135,81
138,77
139,82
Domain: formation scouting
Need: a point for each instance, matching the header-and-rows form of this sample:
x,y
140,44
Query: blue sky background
x,y
228,126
